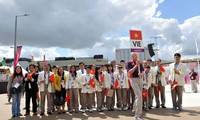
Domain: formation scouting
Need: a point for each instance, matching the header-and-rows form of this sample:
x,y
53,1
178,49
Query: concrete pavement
x,y
191,105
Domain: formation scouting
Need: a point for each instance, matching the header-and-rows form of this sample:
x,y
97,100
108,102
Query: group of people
x,y
133,84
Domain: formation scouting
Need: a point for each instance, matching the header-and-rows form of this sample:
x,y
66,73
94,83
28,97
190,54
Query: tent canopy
x,y
4,67
23,70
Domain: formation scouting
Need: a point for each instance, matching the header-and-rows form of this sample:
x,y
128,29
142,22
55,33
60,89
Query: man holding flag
x,y
31,88
46,83
159,84
177,72
87,80
136,71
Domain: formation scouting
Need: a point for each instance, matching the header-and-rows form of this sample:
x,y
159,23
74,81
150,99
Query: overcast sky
x,y
82,28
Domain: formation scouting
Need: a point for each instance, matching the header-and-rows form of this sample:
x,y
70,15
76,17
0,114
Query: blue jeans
x,y
16,99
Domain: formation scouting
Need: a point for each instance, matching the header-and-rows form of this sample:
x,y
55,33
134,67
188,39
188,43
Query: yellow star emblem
x,y
136,35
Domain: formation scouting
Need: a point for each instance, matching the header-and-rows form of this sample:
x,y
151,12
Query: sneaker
x,y
125,108
63,111
120,109
139,118
19,114
99,110
180,108
133,112
150,107
14,116
27,113
41,114
35,113
90,110
83,111
163,106
49,113
157,106
174,108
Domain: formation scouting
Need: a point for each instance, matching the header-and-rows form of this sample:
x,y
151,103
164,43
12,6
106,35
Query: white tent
x,y
4,67
23,70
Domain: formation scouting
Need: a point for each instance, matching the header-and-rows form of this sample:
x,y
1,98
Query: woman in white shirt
x,y
72,88
99,88
110,100
122,88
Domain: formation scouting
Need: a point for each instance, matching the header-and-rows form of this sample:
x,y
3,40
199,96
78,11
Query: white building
x,y
125,54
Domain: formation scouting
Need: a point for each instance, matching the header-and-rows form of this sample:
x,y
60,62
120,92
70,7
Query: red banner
x,y
17,55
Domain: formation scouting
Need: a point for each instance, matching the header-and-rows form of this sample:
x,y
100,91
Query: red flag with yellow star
x,y
135,35
68,97
92,83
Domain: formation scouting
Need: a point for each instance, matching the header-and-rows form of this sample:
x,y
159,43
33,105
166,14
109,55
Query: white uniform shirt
x,y
122,80
85,79
71,82
79,73
45,76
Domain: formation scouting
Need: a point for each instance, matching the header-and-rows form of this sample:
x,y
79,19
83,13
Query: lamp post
x,y
15,38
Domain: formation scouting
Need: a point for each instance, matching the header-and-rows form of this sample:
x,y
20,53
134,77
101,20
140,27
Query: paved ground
x,y
191,104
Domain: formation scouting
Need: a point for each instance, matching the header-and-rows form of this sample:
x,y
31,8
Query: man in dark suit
x,y
31,88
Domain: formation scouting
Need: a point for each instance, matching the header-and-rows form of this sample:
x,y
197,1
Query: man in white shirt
x,y
122,88
151,88
87,89
177,72
46,88
79,73
160,83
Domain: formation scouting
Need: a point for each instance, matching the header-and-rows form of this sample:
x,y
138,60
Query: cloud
x,y
84,28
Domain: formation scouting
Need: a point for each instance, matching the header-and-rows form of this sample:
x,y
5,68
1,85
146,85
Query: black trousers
x,y
29,95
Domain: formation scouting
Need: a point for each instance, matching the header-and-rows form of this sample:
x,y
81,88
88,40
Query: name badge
x,y
63,84
88,86
144,86
29,85
121,84
72,84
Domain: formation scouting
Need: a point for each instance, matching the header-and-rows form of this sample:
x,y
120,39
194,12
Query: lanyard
x,y
120,76
48,74
146,77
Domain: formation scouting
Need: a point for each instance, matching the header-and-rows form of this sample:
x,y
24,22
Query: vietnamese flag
x,y
92,83
144,94
116,84
102,78
92,72
161,68
29,76
129,83
52,77
68,97
105,91
135,35
174,85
